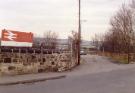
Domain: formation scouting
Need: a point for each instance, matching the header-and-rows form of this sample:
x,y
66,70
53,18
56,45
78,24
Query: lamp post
x,y
79,32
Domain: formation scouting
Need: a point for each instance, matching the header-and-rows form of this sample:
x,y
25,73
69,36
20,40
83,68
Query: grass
x,y
118,58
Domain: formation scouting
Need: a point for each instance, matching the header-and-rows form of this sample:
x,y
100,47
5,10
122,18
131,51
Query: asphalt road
x,y
114,81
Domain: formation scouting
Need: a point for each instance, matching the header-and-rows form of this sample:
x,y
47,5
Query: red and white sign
x,y
16,38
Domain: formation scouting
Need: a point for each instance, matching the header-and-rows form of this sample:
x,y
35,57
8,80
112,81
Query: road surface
x,y
115,79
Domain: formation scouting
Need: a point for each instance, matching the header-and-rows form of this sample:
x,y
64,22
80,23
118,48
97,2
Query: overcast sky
x,y
39,16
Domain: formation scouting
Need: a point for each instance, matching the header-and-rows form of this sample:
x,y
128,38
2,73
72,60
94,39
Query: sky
x,y
60,16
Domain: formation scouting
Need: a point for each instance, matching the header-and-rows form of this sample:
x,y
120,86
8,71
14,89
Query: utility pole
x,y
79,32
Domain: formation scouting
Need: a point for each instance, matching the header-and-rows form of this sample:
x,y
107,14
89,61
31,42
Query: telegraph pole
x,y
79,32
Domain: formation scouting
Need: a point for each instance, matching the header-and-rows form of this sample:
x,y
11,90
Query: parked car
x,y
83,52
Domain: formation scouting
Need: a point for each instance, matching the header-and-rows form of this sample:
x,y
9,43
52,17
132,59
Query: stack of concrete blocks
x,y
19,63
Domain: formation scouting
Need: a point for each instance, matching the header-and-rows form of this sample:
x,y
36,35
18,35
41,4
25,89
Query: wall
x,y
19,63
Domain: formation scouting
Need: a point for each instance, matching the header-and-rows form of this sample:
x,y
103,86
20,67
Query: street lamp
x,y
79,32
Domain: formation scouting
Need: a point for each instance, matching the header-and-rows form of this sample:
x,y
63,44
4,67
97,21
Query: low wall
x,y
18,63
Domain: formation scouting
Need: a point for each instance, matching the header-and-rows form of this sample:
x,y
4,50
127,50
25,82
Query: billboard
x,y
16,38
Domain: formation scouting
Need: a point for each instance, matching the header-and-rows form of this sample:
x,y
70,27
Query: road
x,y
110,78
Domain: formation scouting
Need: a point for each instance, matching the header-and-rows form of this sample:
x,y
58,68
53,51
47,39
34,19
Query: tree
x,y
96,41
73,42
50,40
119,38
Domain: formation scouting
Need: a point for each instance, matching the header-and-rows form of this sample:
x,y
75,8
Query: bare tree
x,y
73,44
50,40
96,41
132,5
119,38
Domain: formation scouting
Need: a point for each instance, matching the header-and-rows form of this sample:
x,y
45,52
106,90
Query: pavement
x,y
97,64
93,64
29,78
